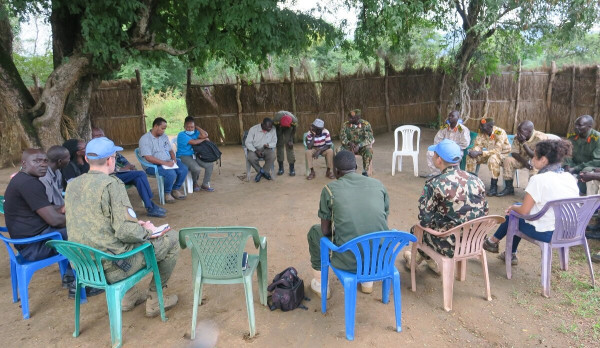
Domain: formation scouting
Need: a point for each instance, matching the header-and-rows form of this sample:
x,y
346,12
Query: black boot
x,y
280,172
508,189
493,188
292,171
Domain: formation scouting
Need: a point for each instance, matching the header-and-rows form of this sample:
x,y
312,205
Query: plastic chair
x,y
463,161
217,259
88,264
571,217
22,270
469,245
189,183
375,255
160,181
248,166
306,148
407,149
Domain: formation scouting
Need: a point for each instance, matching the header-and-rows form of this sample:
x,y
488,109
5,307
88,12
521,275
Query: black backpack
x,y
207,151
287,291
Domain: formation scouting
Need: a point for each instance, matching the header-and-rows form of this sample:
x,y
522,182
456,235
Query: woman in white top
x,y
551,183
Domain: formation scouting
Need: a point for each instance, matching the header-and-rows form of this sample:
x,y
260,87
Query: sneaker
x,y
407,256
433,266
132,298
155,212
177,194
315,286
197,188
258,176
366,288
169,198
514,260
207,188
68,278
89,292
267,176
364,173
490,246
152,307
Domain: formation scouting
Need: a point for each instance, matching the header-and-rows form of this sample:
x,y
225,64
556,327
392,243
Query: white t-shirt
x,y
546,187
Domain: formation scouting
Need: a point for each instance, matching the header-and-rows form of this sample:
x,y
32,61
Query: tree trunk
x,y
460,98
77,123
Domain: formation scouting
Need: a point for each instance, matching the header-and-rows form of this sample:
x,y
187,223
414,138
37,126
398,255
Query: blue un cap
x,y
101,148
448,150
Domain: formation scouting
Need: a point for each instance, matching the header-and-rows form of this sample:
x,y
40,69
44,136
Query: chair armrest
x,y
50,236
327,245
535,216
145,248
421,229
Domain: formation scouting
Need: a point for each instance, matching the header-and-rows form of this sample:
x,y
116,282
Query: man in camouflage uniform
x,y
285,126
523,147
99,215
454,130
586,152
491,146
448,200
357,137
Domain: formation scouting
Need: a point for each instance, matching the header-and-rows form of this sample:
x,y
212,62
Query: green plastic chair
x,y
306,148
87,263
217,259
463,161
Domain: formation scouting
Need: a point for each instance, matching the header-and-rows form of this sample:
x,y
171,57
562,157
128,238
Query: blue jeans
x,y
140,180
174,178
526,229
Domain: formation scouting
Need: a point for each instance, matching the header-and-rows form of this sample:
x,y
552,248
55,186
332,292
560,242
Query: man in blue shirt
x,y
194,135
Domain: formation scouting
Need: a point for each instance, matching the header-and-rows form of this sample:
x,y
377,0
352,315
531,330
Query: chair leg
x,y
78,291
113,300
393,165
385,290
397,301
448,282
413,267
589,260
399,162
262,282
23,279
250,305
161,189
247,170
324,285
461,272
508,255
350,306
197,302
416,164
159,292
546,269
14,281
563,256
486,275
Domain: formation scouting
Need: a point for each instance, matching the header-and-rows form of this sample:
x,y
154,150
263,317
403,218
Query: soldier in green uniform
x,y
586,150
99,215
351,206
448,200
285,125
357,137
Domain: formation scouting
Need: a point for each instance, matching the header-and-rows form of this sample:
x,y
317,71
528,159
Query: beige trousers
x,y
328,154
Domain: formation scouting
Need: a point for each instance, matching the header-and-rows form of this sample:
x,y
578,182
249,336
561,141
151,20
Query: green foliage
x,y
40,66
157,75
169,105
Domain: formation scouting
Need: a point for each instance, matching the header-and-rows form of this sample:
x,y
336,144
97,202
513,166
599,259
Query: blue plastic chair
x,y
22,270
375,257
160,181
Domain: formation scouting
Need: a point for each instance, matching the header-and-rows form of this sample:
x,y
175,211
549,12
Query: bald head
x,y
97,133
524,131
583,124
34,162
58,157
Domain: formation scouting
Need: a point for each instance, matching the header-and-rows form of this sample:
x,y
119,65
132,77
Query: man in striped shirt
x,y
318,143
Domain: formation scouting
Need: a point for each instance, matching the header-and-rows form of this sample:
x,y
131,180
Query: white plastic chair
x,y
189,184
407,149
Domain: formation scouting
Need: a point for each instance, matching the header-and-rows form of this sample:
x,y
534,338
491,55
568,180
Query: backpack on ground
x,y
287,291
207,151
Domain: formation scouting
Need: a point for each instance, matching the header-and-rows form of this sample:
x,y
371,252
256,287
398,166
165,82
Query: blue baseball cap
x,y
101,148
448,150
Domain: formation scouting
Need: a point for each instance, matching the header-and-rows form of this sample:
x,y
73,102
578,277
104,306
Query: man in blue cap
x,y
448,200
100,215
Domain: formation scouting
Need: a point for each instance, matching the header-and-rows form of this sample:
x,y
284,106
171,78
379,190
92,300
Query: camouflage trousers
x,y
443,246
366,152
166,250
510,166
283,137
494,162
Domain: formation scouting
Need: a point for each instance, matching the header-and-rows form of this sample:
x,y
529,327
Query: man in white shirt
x,y
260,142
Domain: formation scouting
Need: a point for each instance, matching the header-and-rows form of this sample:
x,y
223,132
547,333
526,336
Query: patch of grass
x,y
169,105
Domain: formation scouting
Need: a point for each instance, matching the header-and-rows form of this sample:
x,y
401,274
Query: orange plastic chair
x,y
469,245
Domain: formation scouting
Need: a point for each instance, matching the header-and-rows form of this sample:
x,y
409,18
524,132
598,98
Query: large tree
x,y
474,24
91,38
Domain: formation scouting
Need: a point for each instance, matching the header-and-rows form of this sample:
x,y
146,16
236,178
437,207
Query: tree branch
x,y
152,46
463,15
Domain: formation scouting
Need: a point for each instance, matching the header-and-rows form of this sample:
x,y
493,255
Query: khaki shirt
x,y
497,143
536,137
459,134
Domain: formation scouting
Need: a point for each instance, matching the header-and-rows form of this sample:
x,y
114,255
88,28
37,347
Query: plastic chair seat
x,y
407,148
160,181
217,259
321,155
375,255
87,263
571,217
469,245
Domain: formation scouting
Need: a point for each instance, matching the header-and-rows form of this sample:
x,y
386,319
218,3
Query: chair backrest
x,y
571,217
511,138
471,235
1,204
143,161
376,252
86,261
408,133
219,249
552,136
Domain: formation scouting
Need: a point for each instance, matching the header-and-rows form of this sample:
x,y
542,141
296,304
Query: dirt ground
x,y
283,210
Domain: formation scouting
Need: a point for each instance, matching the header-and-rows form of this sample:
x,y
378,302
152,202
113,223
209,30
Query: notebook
x,y
160,229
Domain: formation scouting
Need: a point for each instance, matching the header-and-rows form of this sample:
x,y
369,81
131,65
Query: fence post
x,y
292,90
572,107
486,100
238,90
515,123
341,99
597,96
387,97
549,95
440,100
138,78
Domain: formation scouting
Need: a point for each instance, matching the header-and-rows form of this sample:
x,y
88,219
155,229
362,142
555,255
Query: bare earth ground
x,y
283,210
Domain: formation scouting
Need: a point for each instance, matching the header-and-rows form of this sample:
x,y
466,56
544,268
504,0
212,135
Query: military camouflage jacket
x,y
459,134
497,143
99,215
450,199
360,134
586,151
